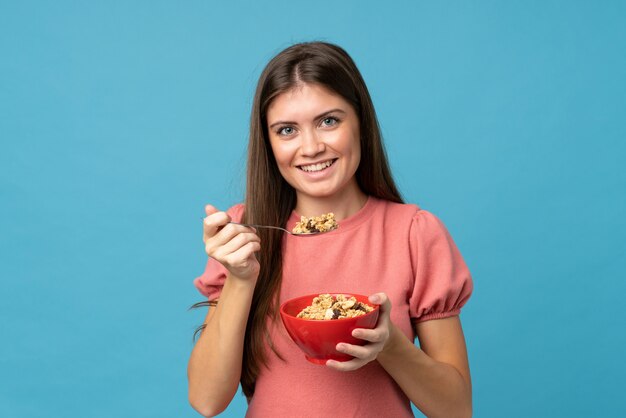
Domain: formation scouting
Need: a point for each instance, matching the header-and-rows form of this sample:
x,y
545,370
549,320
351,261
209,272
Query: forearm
x,y
437,389
214,368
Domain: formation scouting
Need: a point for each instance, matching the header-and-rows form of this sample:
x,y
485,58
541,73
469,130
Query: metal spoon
x,y
304,234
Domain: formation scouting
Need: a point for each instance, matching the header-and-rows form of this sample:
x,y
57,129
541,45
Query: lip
x,y
318,174
317,162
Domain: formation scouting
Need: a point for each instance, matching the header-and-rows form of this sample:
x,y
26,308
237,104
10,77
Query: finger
x,y
243,255
365,352
209,210
372,335
346,366
221,245
230,231
382,300
237,242
385,306
213,222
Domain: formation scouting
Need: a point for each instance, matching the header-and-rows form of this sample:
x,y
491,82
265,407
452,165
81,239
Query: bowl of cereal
x,y
317,323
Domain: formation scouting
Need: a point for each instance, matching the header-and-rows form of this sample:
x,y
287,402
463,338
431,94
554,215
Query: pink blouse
x,y
386,247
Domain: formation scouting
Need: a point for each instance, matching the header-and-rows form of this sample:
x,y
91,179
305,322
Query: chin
x,y
321,193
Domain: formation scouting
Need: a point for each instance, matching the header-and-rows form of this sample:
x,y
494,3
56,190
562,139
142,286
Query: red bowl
x,y
318,338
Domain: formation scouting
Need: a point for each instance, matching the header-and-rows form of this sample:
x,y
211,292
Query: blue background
x,y
119,120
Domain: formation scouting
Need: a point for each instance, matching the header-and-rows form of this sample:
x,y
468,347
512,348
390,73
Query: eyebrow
x,y
315,118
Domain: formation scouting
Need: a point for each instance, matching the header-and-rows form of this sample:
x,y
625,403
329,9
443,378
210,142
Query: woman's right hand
x,y
232,245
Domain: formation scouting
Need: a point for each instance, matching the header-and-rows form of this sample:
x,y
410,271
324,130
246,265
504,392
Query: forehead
x,y
303,102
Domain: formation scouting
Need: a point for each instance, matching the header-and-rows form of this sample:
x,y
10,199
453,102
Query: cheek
x,y
356,159
355,150
282,153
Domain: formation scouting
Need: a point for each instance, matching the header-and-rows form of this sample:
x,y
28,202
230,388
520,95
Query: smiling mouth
x,y
312,168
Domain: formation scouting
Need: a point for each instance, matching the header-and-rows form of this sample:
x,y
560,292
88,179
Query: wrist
x,y
245,275
241,284
394,344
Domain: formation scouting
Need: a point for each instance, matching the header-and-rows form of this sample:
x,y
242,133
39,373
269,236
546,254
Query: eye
x,y
285,131
329,121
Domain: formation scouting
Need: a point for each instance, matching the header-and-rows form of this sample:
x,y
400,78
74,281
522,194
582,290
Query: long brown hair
x,y
270,199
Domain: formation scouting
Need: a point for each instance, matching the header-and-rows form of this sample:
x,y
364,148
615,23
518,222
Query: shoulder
x,y
395,209
418,223
402,213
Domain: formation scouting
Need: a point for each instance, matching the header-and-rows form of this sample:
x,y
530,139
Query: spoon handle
x,y
263,226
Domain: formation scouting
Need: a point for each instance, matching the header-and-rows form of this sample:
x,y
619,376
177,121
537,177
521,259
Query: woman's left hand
x,y
377,338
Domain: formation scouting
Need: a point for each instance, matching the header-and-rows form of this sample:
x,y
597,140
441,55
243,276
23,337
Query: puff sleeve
x,y
210,283
443,283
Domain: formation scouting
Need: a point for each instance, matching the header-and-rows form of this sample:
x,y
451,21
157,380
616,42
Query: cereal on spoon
x,y
322,223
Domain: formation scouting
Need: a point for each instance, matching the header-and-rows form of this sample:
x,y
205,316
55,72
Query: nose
x,y
312,144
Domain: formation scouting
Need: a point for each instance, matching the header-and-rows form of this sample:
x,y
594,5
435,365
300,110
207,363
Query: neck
x,y
343,205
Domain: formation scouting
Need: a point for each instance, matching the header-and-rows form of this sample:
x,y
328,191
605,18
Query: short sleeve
x,y
443,283
210,283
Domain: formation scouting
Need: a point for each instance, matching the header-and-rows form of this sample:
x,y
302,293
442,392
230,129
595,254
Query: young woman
x,y
315,147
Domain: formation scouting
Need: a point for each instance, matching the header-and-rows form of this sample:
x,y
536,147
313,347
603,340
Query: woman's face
x,y
314,134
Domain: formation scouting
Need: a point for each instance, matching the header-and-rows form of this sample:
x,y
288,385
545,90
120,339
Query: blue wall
x,y
119,120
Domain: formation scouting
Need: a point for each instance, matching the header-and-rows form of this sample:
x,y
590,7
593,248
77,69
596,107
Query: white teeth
x,y
316,167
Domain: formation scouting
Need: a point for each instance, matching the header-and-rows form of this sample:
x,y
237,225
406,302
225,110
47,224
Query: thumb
x,y
209,210
382,300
